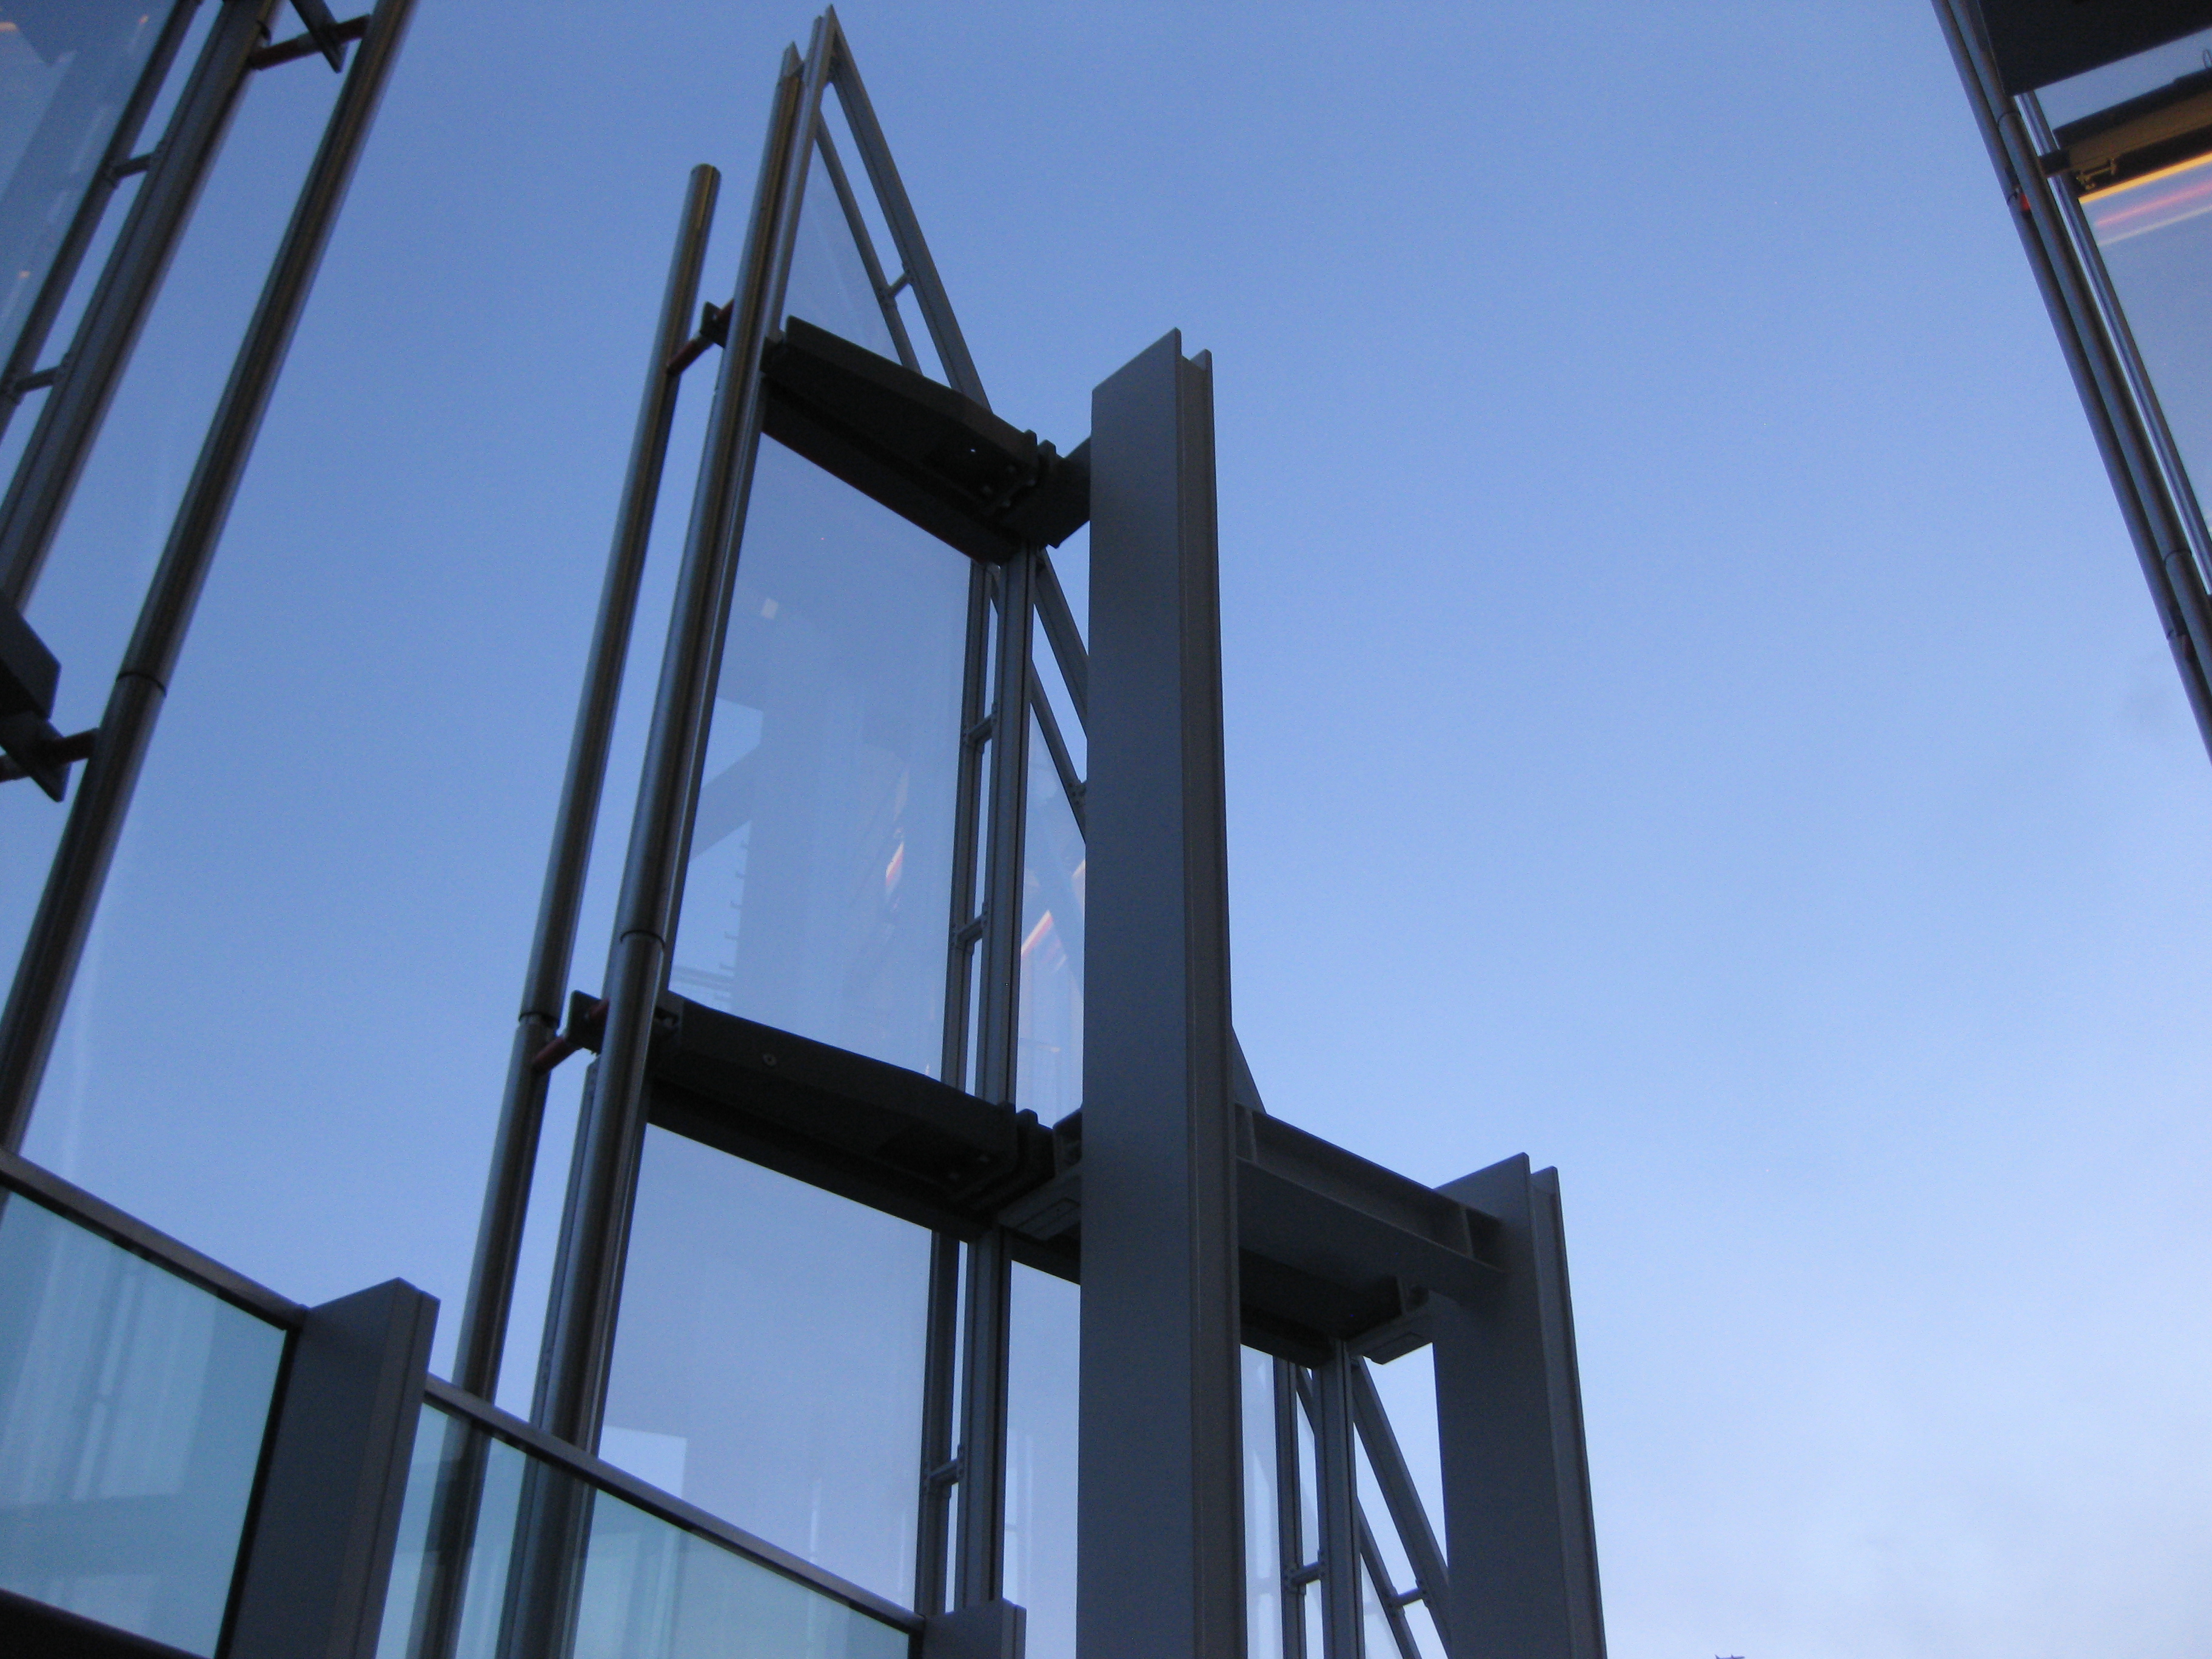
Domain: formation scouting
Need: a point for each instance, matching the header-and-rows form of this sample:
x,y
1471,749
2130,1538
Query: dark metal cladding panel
x,y
2037,42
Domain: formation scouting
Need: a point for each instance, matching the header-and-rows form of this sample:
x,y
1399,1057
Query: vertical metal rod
x,y
1408,1514
88,846
960,941
932,1528
1160,1520
522,1108
980,1550
1290,1519
2161,547
1337,1499
61,275
611,1131
70,419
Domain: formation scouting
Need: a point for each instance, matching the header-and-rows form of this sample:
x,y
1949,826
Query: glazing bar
x,y
1408,1514
70,421
91,209
1066,639
1378,1574
1290,1521
1343,1634
932,1528
522,1108
88,846
2151,515
886,302
980,1550
611,1128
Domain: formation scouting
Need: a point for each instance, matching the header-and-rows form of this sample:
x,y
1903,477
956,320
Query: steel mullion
x,y
61,274
1290,1521
1327,1405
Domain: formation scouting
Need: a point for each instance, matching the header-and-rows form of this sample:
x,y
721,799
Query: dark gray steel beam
x,y
1522,1550
70,418
319,1552
553,947
611,1128
51,954
1160,1507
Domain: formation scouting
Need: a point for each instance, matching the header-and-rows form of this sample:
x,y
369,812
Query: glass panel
x,y
649,1590
1049,1058
66,69
820,882
2156,236
2115,83
767,1367
1263,1587
829,286
1041,1413
132,1409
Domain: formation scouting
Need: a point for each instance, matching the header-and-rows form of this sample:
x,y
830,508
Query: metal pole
x,y
1160,1534
1290,1521
1408,1513
71,419
1343,1633
88,846
2161,545
61,275
522,1109
939,1472
610,1129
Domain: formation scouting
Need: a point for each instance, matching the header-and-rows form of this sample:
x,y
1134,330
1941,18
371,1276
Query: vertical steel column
x,y
1290,1519
1521,1549
522,1108
327,1515
70,418
932,1526
87,846
1336,1502
1159,1523
61,275
610,1129
2153,518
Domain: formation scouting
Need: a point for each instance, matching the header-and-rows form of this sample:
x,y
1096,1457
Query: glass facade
x,y
132,1410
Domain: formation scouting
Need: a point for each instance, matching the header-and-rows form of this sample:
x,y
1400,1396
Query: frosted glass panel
x,y
132,1409
768,1366
819,888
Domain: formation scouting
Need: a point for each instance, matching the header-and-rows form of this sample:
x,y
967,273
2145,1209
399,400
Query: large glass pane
x,y
1040,1415
66,69
648,1590
1050,1078
768,1363
819,889
829,285
132,1410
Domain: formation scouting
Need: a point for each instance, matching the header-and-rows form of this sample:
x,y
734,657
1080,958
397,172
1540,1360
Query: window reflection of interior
x,y
2154,202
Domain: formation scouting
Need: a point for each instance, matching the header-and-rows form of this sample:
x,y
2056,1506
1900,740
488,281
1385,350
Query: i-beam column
x,y
1159,1512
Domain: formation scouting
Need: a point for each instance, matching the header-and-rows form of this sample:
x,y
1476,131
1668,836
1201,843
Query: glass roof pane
x,y
829,286
768,1365
66,73
2155,233
1049,1076
820,884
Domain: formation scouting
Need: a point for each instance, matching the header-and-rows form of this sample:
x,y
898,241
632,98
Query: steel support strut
x,y
1159,1506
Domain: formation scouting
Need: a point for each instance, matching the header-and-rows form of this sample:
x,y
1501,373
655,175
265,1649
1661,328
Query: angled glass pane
x,y
768,1365
819,888
133,1405
1048,1077
1041,1376
876,224
829,284
67,67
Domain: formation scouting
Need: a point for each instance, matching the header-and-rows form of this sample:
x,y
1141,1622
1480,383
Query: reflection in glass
x,y
768,1365
829,285
649,1590
132,1409
1049,1080
2155,233
820,880
1041,1416
67,67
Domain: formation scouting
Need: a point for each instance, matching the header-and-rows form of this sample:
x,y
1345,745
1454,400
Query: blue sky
x,y
1693,714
